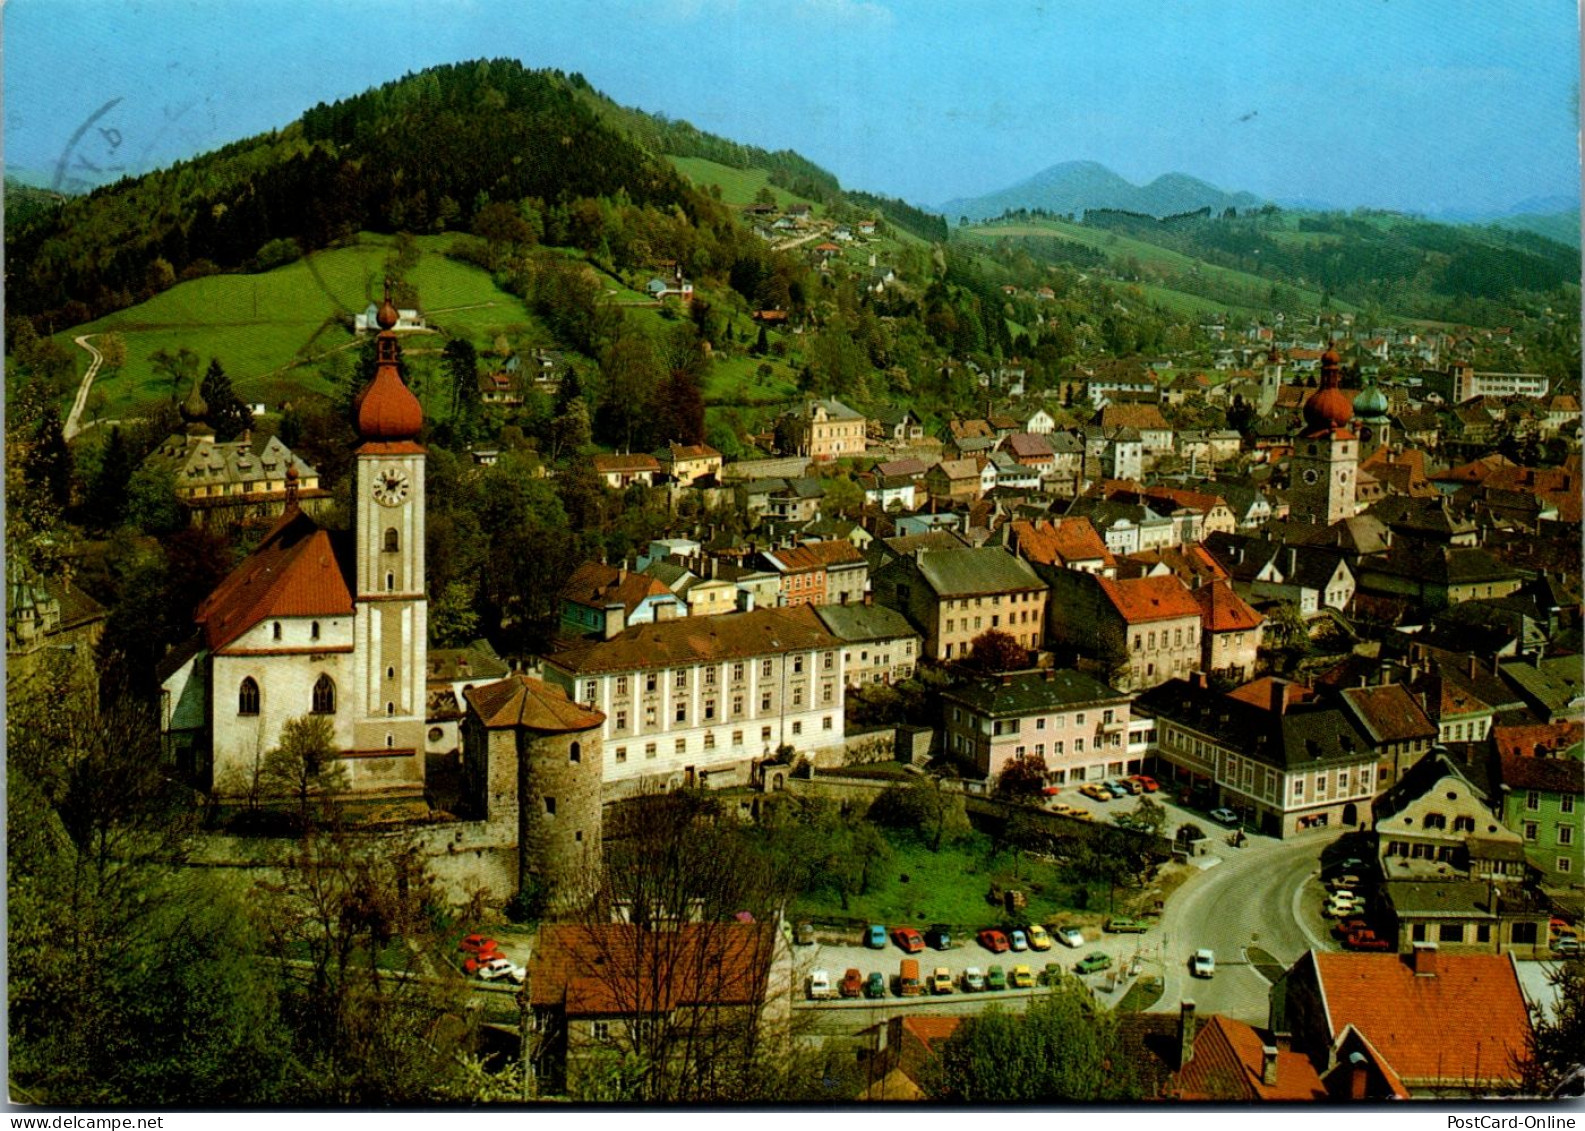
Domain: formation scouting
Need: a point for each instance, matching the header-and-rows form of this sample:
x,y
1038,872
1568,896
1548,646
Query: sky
x,y
1434,106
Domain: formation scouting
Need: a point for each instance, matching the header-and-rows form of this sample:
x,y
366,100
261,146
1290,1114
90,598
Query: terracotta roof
x,y
1177,496
1222,610
589,970
1544,775
1028,445
837,551
1228,1062
1058,543
795,559
1144,417
957,469
597,585
673,453
1524,740
1409,1017
696,640
294,572
523,701
1390,713
1258,692
636,462
1143,599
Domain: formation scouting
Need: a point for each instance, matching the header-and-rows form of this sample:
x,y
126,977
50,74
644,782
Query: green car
x,y
1090,963
996,978
1051,975
1123,925
875,985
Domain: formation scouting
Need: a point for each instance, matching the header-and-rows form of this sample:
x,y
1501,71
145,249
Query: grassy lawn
x,y
738,186
949,886
261,325
737,381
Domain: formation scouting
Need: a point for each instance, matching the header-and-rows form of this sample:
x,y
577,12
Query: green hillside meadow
x,y
264,327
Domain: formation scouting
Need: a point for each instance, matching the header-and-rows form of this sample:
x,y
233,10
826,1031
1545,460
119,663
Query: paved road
x,y
72,420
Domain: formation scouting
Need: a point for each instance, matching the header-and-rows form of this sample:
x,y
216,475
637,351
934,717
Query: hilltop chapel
x,y
321,623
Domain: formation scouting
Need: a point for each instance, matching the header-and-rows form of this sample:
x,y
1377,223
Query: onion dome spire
x,y
1329,408
387,410
194,409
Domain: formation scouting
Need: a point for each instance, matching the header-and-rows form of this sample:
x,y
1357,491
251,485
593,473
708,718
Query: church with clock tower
x,y
315,622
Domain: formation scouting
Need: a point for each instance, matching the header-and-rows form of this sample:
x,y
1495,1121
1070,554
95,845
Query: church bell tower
x,y
390,607
1323,473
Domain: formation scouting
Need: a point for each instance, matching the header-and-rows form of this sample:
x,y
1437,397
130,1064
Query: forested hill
x,y
422,154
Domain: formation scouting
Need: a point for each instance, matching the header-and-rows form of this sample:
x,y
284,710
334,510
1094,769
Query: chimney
x,y
1423,960
1187,1025
1358,1080
1279,697
615,619
1472,667
1268,1065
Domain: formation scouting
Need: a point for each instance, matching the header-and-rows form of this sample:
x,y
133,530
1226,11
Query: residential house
x,y
952,596
1030,450
825,430
1462,693
1459,917
1140,632
1406,1006
888,492
601,600
1550,686
1249,505
1437,823
879,644
686,464
241,479
1311,577
1397,724
1068,723
1012,475
897,426
622,471
1542,796
1230,631
691,703
703,596
1155,434
1039,422
1127,528
1230,1061
1287,769
600,991
954,481
1193,565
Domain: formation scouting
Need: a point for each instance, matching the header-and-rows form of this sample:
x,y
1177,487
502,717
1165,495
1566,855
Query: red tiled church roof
x,y
293,573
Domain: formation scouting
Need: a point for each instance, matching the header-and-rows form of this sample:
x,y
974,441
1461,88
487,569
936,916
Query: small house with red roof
x,y
601,600
1448,1026
1230,631
1061,543
1140,632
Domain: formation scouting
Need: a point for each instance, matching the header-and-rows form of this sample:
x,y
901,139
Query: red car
x,y
1365,940
1346,927
477,944
993,940
852,984
909,939
1146,783
476,962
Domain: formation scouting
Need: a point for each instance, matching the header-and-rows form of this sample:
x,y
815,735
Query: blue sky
x,y
1429,105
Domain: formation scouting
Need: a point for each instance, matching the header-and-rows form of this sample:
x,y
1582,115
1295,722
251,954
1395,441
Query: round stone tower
x,y
534,763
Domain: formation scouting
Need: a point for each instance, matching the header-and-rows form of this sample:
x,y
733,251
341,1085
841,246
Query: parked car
x,y
1226,816
1203,964
1345,927
1017,939
1146,783
939,936
1050,974
911,941
908,981
820,986
1124,925
1567,945
1038,938
941,981
1116,788
1022,978
1345,882
995,978
1365,939
1097,791
875,984
1559,928
1070,936
1092,963
875,937
804,933
1347,864
478,944
852,983
1341,908
476,962
973,980
1130,786
498,968
993,940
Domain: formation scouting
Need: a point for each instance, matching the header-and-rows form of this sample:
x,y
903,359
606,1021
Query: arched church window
x,y
393,540
248,697
390,708
324,695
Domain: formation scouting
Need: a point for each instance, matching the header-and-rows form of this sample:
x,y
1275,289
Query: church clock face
x,y
391,486
1310,475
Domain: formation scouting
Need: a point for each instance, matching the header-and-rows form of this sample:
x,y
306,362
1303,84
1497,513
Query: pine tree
x,y
106,506
227,415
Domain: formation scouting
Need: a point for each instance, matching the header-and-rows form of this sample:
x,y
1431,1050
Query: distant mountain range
x,y
1079,186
